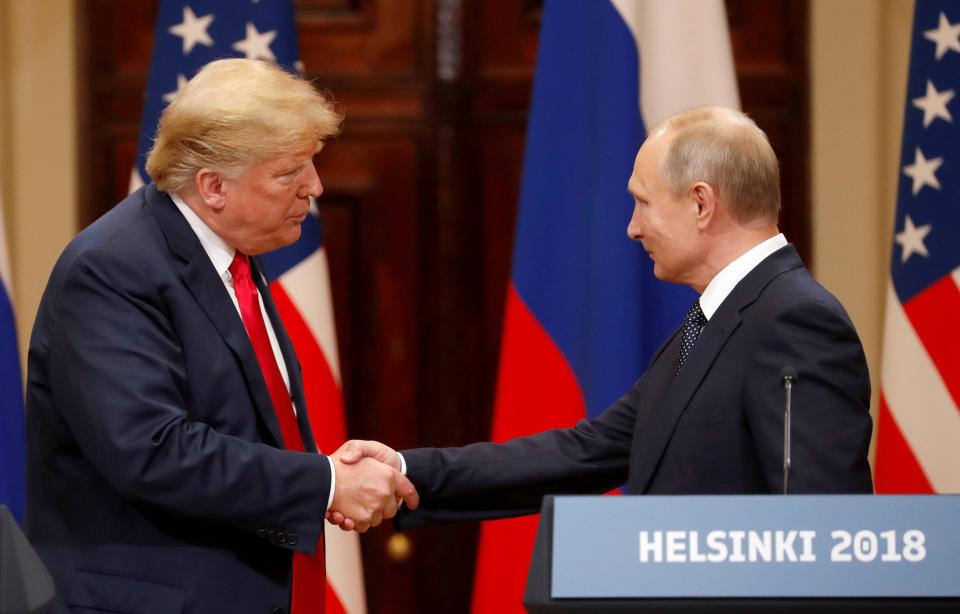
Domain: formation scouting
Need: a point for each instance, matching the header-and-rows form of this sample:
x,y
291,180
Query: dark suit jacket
x,y
717,428
156,478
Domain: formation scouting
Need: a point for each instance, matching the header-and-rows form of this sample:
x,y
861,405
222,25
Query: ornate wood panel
x,y
420,201
770,52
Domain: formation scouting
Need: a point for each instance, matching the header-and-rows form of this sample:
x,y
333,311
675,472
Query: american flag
x,y
918,444
188,35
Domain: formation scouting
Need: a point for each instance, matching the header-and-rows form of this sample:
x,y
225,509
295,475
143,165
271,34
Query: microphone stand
x,y
788,376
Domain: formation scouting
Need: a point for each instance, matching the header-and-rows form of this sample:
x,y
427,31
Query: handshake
x,y
369,486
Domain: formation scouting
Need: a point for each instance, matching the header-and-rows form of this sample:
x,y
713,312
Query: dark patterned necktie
x,y
692,324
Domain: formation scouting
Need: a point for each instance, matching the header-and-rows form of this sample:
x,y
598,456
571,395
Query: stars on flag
x,y
923,171
193,30
911,239
934,104
256,45
181,81
946,36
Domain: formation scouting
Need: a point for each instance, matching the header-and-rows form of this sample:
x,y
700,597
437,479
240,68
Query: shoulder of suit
x,y
126,235
128,226
797,291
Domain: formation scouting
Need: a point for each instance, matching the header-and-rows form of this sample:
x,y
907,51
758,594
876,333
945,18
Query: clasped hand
x,y
369,486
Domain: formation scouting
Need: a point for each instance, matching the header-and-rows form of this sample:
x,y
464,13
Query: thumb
x,y
351,452
405,489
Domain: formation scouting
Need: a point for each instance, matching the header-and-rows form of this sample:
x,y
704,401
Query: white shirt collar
x,y
729,276
220,254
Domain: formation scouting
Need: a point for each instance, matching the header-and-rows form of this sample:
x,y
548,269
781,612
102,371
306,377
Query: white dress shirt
x,y
221,256
729,276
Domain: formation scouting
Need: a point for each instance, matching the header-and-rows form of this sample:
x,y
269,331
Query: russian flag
x,y
12,447
584,312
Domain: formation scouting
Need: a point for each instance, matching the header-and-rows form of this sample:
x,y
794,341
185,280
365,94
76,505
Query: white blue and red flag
x,y
584,312
918,440
188,35
12,444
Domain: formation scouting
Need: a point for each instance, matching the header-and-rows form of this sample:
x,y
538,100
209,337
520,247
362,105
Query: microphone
x,y
788,377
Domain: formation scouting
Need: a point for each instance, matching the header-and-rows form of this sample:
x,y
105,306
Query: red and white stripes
x,y
918,447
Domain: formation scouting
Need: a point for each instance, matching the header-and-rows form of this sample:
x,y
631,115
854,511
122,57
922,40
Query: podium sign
x,y
840,546
25,584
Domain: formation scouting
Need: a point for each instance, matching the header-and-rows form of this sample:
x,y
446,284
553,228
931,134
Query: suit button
x,y
277,610
261,533
272,535
281,537
292,539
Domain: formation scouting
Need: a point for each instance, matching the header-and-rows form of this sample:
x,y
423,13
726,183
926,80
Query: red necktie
x,y
309,572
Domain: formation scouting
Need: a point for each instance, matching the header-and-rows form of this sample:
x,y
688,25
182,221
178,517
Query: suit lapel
x,y
655,435
659,377
207,288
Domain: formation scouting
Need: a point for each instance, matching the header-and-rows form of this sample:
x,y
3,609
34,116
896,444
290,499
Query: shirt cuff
x,y
333,482
403,464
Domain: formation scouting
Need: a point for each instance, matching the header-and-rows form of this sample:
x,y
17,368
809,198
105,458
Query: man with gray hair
x,y
171,464
707,415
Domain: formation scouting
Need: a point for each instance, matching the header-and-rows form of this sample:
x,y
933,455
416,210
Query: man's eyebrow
x,y
289,168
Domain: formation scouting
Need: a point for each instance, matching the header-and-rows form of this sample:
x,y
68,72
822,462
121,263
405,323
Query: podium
x,y
25,584
797,553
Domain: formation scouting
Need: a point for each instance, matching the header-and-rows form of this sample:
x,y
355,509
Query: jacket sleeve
x,y
831,424
116,371
484,481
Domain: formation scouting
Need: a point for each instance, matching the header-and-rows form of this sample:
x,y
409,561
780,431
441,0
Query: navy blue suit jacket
x,y
156,478
717,428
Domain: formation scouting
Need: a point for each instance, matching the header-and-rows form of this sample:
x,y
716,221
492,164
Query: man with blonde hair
x,y
707,415
171,465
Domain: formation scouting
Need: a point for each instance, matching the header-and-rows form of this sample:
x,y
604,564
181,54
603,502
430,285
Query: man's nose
x,y
313,187
633,228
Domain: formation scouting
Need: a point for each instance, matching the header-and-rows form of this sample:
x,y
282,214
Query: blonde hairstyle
x,y
727,150
233,113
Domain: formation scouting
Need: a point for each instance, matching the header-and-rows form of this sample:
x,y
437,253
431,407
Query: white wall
x,y
859,55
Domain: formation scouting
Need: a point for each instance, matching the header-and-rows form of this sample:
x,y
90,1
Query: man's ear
x,y
705,198
212,188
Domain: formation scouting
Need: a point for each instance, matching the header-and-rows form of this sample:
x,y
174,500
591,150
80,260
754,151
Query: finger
x,y
335,518
348,525
357,449
378,451
405,489
376,519
390,507
354,450
362,527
